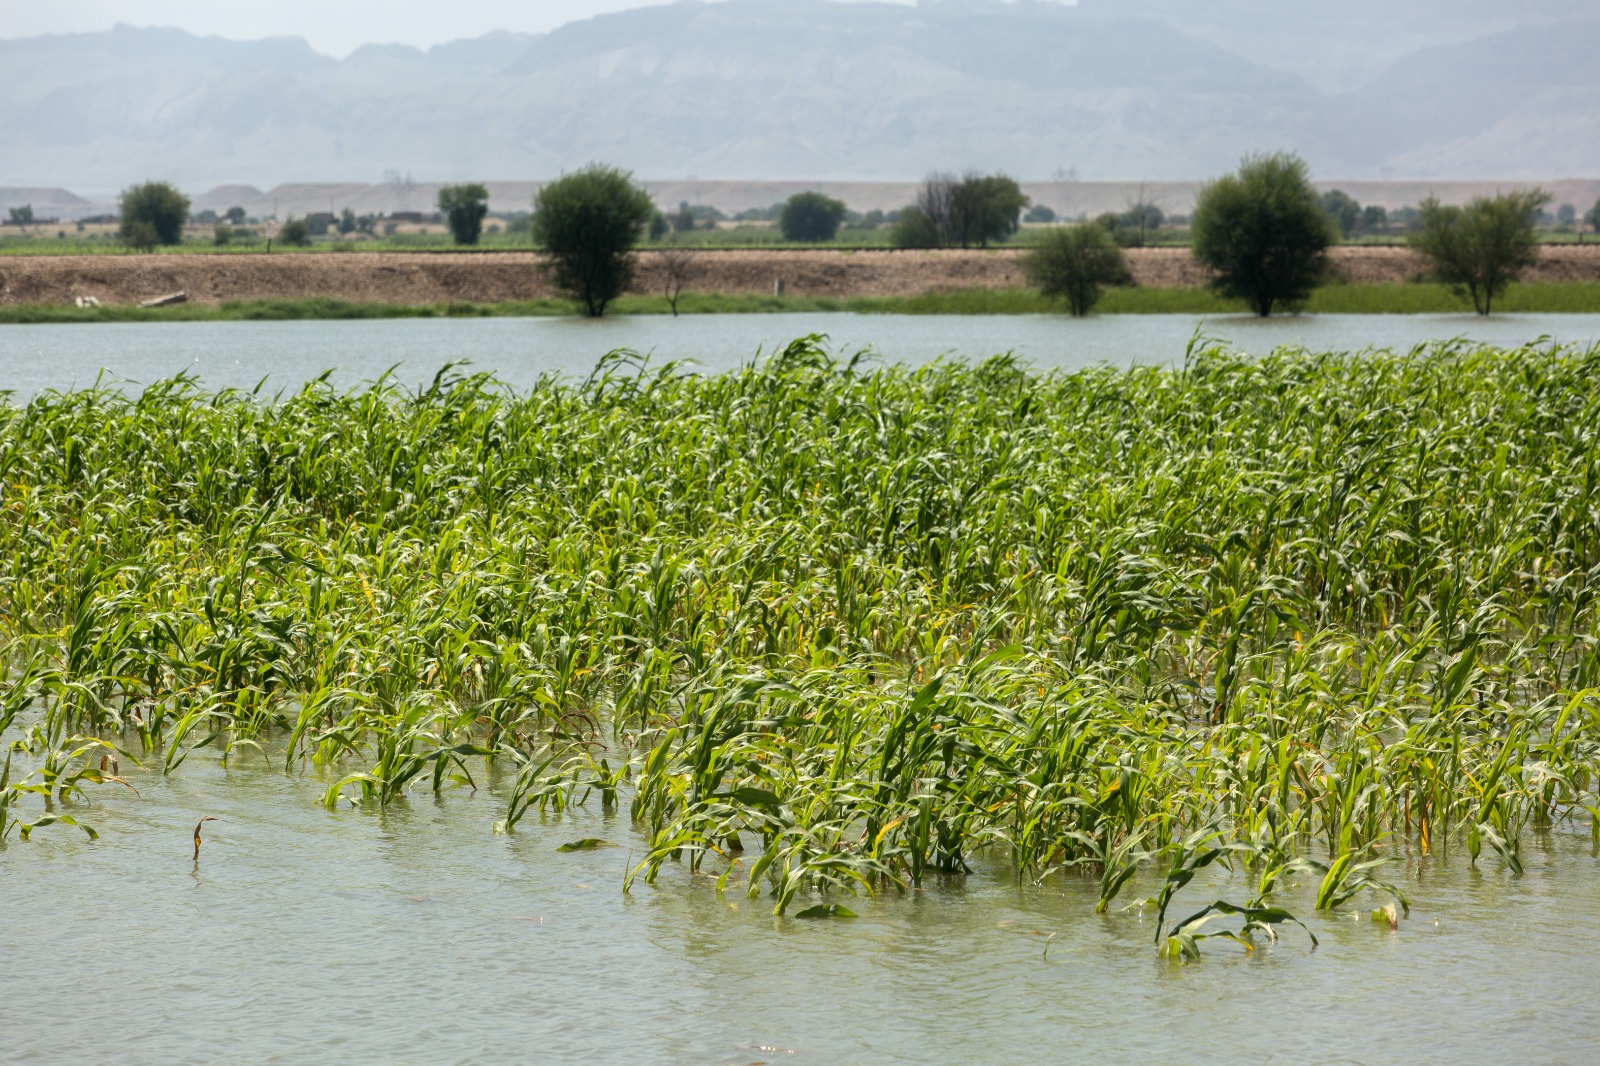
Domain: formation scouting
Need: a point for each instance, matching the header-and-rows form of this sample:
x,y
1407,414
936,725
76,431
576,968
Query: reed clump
x,y
827,627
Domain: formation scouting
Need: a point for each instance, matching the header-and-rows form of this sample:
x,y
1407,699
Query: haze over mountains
x,y
808,89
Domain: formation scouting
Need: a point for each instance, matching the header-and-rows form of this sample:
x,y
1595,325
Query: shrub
x,y
810,216
1482,247
1075,263
1263,232
588,223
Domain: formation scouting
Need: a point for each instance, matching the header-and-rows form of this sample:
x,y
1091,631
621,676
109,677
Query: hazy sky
x,y
332,26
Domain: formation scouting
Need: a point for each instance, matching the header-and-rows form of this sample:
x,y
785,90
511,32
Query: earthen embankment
x,y
408,278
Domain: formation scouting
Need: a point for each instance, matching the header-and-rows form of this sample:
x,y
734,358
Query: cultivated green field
x,y
823,630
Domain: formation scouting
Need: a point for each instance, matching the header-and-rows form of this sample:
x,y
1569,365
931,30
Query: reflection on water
x,y
519,350
419,936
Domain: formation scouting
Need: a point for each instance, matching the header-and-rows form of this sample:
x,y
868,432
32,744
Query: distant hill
x,y
812,90
1339,46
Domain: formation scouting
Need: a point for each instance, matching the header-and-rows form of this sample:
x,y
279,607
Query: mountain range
x,y
815,90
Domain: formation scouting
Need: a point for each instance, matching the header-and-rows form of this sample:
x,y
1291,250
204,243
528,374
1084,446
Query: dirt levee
x,y
425,278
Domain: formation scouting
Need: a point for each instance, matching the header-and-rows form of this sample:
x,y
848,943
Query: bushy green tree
x,y
915,228
683,219
588,222
985,209
1076,263
235,216
1139,223
295,233
953,212
157,205
464,207
810,216
1482,247
139,235
1263,233
1342,210
22,217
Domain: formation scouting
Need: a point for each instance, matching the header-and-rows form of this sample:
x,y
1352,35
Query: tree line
x,y
1262,231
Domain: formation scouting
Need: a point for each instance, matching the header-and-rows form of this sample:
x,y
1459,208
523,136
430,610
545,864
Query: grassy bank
x,y
1539,297
817,630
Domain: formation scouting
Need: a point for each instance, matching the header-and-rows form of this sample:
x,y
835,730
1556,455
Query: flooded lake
x,y
419,936
519,350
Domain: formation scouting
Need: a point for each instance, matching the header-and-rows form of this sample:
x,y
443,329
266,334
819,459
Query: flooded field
x,y
1212,707
417,936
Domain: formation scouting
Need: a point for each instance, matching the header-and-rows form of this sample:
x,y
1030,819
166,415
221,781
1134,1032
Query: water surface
x,y
519,350
419,936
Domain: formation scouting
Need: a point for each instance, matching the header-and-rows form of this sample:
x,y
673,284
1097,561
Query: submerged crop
x,y
828,627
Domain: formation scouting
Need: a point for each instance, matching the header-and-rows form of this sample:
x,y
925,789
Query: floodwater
x,y
519,350
420,936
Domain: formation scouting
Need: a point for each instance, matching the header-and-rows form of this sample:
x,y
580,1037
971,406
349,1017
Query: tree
x,y
810,216
22,217
235,216
295,233
1140,217
221,234
683,220
678,268
347,222
985,208
157,205
952,212
1076,263
588,222
1566,215
915,228
1342,210
1374,218
1040,213
464,207
1482,247
140,236
1263,233
1137,223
